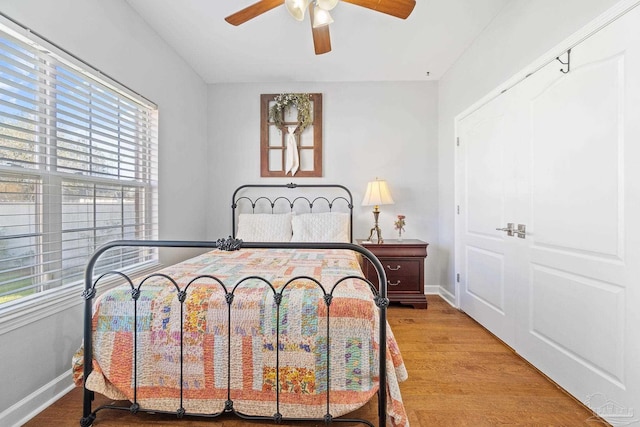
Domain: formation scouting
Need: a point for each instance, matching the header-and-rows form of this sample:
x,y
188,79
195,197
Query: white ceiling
x,y
366,45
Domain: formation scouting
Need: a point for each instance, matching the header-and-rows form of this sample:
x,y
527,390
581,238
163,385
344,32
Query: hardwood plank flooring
x,y
459,375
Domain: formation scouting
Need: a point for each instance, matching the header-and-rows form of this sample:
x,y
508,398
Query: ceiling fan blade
x,y
252,11
321,40
398,8
321,37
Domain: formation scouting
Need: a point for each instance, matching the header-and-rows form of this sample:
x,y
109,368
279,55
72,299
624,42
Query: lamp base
x,y
376,230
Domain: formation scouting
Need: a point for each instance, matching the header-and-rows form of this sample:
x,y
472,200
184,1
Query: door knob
x,y
509,229
521,231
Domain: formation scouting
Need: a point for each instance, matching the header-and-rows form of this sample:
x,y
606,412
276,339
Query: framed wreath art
x,y
291,135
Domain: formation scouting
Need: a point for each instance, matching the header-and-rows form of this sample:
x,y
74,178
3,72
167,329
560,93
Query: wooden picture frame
x,y
273,141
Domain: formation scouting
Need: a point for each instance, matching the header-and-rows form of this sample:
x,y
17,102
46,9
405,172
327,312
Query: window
x,y
77,168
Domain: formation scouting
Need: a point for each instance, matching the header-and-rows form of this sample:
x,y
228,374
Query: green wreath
x,y
284,101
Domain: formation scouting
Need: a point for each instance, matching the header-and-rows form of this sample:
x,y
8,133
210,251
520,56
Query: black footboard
x,y
379,295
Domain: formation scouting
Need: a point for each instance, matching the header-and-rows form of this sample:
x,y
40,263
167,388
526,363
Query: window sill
x,y
22,313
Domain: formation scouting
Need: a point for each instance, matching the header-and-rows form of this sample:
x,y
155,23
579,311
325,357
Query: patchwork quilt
x,y
196,332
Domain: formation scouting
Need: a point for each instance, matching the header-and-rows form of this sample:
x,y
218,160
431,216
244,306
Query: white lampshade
x,y
377,194
327,4
321,17
296,8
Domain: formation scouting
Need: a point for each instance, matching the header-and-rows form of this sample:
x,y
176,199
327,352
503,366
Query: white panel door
x,y
579,265
561,155
485,171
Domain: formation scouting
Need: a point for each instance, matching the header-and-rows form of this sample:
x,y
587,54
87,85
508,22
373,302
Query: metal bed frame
x,y
379,297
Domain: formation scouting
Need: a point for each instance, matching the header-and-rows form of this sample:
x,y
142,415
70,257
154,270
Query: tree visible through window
x,y
77,169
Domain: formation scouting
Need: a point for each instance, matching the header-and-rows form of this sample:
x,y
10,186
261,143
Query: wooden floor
x,y
459,375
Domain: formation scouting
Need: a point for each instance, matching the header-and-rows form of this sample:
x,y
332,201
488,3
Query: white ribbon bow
x,y
292,161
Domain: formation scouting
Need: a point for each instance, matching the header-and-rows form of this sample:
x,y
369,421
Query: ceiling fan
x,y
319,14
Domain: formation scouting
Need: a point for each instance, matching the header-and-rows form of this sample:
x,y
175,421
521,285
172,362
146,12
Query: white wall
x,y
113,38
385,130
522,32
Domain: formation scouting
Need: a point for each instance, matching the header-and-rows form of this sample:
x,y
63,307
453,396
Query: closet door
x,y
486,157
560,154
578,195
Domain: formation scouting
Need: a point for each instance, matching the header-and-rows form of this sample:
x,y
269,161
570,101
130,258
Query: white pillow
x,y
321,227
264,227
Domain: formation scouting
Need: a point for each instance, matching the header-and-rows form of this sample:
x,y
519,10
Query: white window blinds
x,y
78,168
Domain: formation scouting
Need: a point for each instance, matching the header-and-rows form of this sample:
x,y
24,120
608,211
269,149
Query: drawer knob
x,y
393,269
393,284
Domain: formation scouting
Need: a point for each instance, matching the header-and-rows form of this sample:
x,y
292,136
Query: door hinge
x,y
458,141
458,209
458,277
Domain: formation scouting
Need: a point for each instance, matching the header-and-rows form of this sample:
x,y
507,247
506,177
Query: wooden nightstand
x,y
403,262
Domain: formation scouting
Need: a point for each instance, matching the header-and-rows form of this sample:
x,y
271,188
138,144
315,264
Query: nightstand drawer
x,y
402,275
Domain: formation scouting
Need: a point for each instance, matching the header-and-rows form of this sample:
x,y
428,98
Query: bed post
x,y
89,292
382,302
87,418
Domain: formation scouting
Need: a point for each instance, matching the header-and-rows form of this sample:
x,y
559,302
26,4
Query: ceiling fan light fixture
x,y
327,4
321,17
296,8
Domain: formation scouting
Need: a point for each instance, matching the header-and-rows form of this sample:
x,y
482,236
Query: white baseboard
x,y
36,402
447,296
432,290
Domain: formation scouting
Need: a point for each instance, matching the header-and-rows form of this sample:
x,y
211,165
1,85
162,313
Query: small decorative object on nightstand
x,y
399,225
403,262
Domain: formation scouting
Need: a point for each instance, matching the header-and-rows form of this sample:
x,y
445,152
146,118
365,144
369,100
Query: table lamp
x,y
377,194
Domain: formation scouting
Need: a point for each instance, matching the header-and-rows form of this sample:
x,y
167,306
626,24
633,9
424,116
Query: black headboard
x,y
280,198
